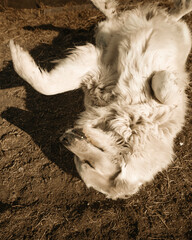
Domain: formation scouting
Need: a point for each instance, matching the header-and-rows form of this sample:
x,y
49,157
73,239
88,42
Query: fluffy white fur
x,y
134,81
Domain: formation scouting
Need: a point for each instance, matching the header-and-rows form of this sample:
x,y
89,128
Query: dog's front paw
x,y
97,92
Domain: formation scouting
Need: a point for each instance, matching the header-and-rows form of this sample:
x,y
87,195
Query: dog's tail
x,y
66,76
107,7
181,8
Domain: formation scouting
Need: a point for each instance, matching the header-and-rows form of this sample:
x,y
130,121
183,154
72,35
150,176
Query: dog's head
x,y
99,160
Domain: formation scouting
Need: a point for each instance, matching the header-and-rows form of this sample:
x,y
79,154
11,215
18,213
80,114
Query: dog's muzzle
x,y
71,135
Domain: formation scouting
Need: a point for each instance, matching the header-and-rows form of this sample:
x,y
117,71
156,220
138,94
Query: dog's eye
x,y
101,149
86,161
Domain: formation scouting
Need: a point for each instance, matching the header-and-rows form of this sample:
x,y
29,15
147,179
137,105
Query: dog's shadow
x,y
47,117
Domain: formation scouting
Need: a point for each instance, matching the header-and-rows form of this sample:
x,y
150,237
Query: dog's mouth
x,y
77,135
71,135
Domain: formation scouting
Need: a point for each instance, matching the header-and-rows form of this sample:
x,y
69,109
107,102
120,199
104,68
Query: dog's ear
x,y
122,188
123,184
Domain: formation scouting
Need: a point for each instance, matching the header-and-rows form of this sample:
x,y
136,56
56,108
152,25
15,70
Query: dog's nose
x,y
66,139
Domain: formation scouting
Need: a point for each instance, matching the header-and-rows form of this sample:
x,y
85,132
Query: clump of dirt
x,y
41,194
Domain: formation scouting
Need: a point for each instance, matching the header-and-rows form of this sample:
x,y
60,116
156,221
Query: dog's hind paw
x,y
165,87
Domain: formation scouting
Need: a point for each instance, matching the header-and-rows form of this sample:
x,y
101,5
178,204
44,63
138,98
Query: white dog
x,y
134,81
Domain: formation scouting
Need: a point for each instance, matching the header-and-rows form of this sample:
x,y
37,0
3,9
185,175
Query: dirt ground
x,y
41,194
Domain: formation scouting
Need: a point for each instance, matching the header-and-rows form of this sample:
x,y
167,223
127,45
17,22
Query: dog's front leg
x,y
66,76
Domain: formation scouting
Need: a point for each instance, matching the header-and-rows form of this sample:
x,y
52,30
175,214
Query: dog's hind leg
x,y
66,76
181,8
107,7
